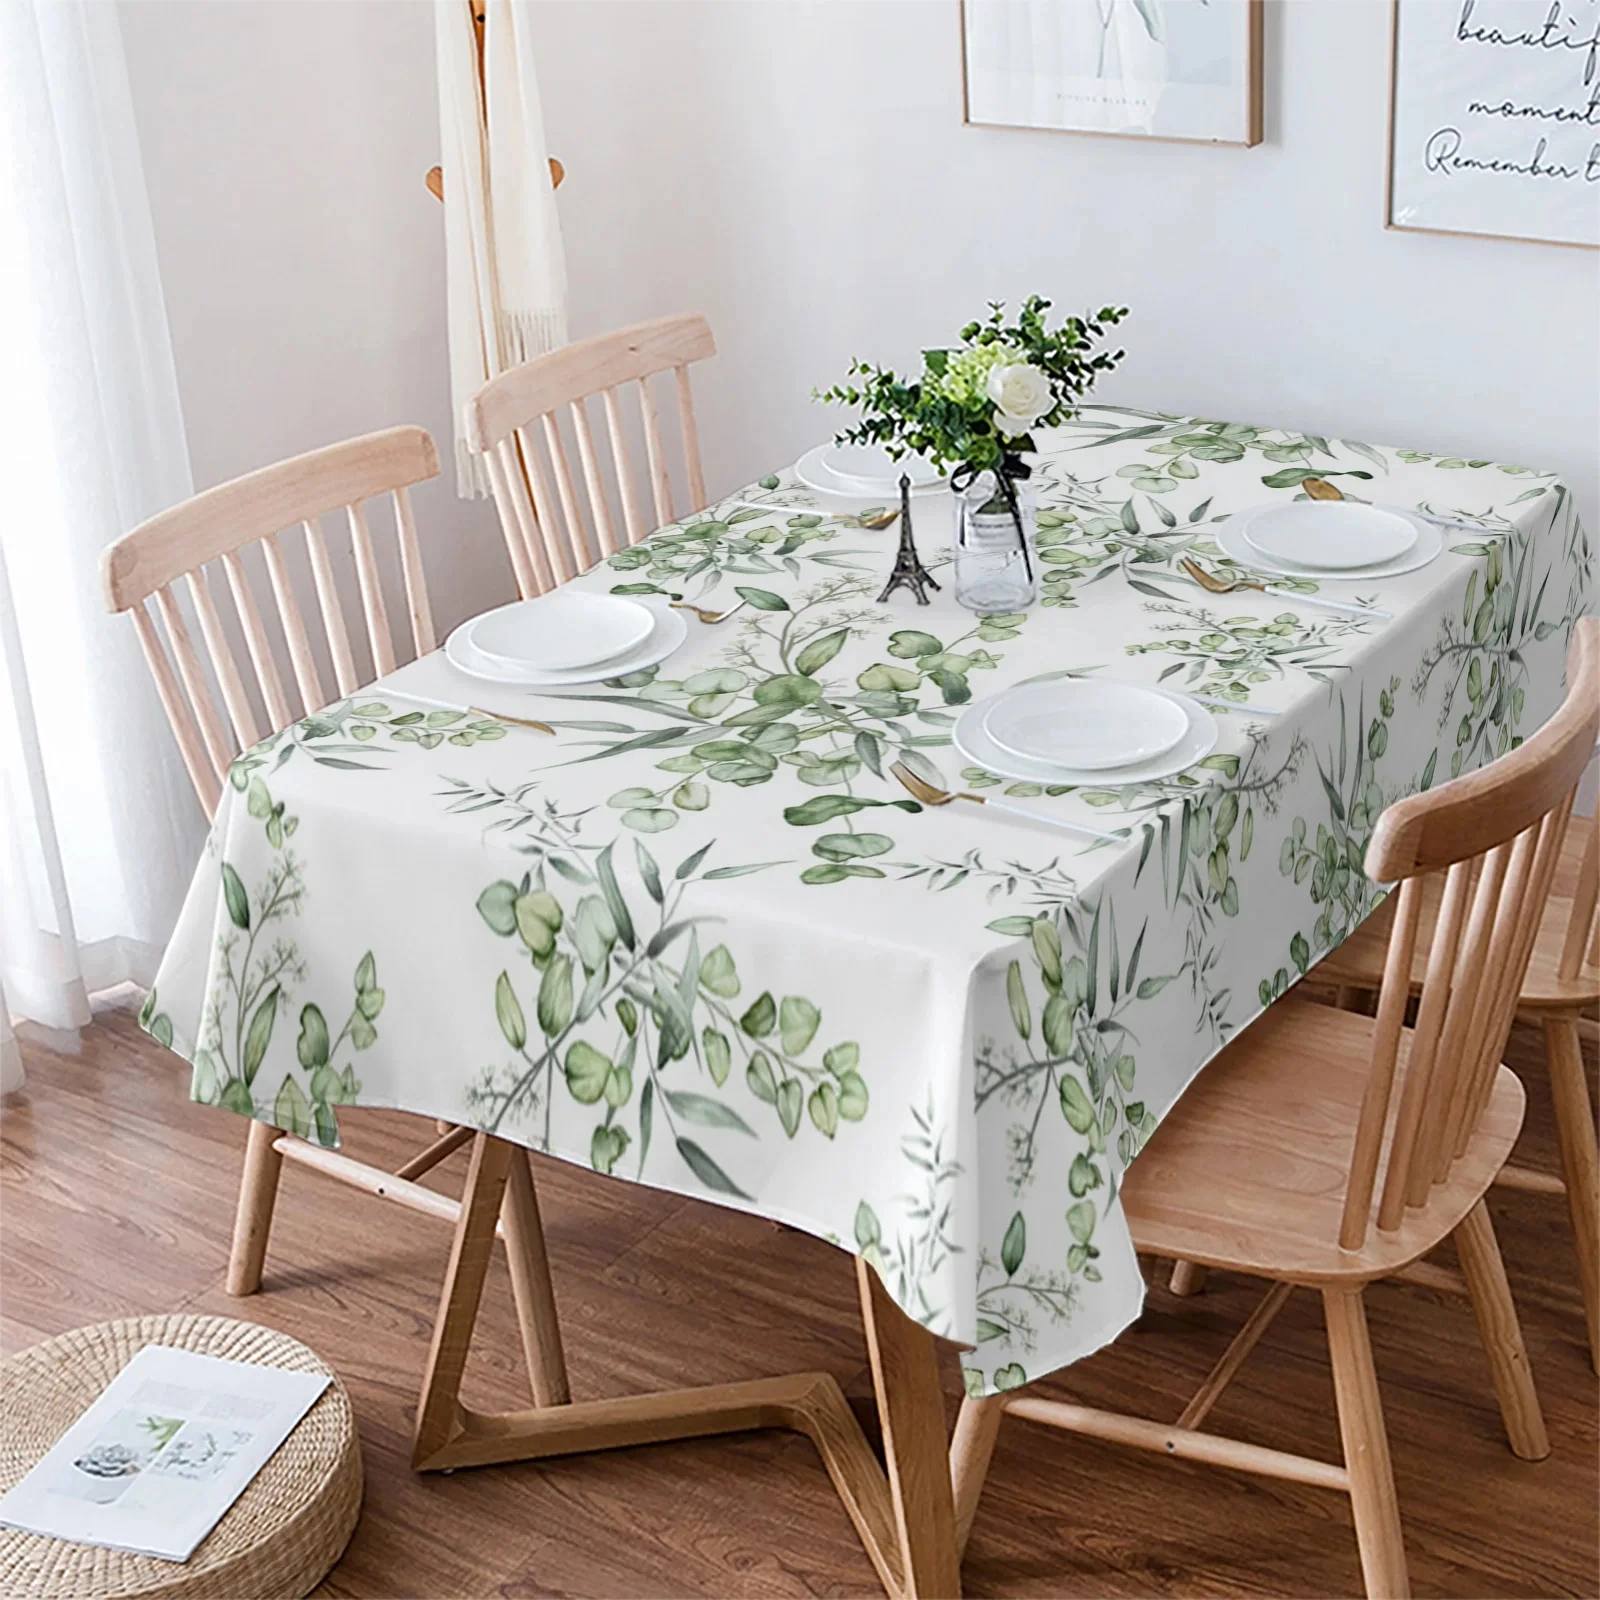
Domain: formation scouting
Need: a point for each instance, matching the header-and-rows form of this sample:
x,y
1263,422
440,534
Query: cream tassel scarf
x,y
505,272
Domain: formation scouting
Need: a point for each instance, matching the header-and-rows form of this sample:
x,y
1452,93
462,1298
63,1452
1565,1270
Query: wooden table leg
x,y
977,1428
530,1285
905,1521
439,1413
905,1373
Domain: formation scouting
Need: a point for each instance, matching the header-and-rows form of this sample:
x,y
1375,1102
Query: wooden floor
x,y
117,1195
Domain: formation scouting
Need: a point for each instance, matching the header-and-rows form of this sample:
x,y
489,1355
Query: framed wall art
x,y
1494,119
1151,69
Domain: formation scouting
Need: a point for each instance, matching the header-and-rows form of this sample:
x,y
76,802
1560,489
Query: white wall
x,y
284,147
798,169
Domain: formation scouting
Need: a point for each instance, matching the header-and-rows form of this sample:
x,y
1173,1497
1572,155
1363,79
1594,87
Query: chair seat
x,y
1358,962
1248,1171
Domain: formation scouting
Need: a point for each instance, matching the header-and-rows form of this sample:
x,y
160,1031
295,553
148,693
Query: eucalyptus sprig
x,y
979,402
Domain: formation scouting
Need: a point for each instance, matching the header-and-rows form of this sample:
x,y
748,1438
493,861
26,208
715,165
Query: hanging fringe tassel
x,y
526,334
472,473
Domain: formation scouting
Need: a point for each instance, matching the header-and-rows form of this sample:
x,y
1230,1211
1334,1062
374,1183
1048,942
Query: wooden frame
x,y
1254,133
1389,223
903,1512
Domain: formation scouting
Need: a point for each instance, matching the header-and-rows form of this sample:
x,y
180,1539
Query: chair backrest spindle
x,y
423,638
194,680
1583,925
575,547
227,669
691,438
510,487
338,636
306,678
255,638
656,455
632,519
598,506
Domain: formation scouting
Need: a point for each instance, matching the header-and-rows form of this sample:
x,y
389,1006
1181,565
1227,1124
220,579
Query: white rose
x,y
1021,394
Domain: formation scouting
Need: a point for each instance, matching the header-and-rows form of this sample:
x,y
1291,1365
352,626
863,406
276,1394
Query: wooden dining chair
x,y
1327,1149
177,553
1559,996
1561,988
515,420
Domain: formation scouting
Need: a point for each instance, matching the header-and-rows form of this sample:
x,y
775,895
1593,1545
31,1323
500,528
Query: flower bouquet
x,y
974,408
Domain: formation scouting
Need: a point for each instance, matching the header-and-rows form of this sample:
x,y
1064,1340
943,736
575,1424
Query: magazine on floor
x,y
154,1463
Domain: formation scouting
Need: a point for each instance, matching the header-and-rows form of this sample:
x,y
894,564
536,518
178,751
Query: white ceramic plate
x,y
874,470
667,632
1197,742
1085,723
1231,541
1332,534
559,631
814,472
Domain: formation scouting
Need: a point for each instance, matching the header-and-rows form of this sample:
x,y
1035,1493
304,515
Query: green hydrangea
x,y
966,378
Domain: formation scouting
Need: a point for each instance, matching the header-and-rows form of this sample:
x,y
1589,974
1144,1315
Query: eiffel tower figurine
x,y
908,568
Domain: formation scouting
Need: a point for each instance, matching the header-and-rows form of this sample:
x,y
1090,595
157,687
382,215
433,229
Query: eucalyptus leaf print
x,y
1230,657
1478,657
622,996
912,1254
775,712
351,736
1178,446
689,560
257,972
1330,862
702,937
1071,1044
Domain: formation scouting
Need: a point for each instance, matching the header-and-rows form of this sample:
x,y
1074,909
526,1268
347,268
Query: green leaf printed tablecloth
x,y
702,939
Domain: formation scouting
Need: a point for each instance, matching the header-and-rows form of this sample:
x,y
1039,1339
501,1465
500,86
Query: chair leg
x,y
1501,1333
1366,1448
1188,1277
252,1221
977,1427
1575,1130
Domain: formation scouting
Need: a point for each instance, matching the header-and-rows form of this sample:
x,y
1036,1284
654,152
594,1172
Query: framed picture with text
x,y
1152,69
1494,119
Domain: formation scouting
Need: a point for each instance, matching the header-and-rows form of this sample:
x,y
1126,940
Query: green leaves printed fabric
x,y
705,939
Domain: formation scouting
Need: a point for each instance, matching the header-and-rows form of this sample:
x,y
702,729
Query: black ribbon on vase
x,y
1011,470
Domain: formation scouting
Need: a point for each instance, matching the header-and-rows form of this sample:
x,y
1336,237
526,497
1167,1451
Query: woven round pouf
x,y
275,1542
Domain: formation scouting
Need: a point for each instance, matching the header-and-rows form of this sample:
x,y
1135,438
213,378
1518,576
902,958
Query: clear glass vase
x,y
997,562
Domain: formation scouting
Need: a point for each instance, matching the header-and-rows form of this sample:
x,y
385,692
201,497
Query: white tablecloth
x,y
702,939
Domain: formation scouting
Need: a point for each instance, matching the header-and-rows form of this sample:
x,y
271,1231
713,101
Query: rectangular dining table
x,y
700,937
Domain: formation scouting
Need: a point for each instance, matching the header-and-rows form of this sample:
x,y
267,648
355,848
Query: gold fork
x,y
703,614
474,711
880,519
921,790
1212,584
521,722
874,518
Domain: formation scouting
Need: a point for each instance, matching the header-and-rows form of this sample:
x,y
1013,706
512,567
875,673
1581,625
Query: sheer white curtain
x,y
98,825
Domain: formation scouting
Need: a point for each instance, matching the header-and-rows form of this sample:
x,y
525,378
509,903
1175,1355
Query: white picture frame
x,y
1185,70
1493,132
